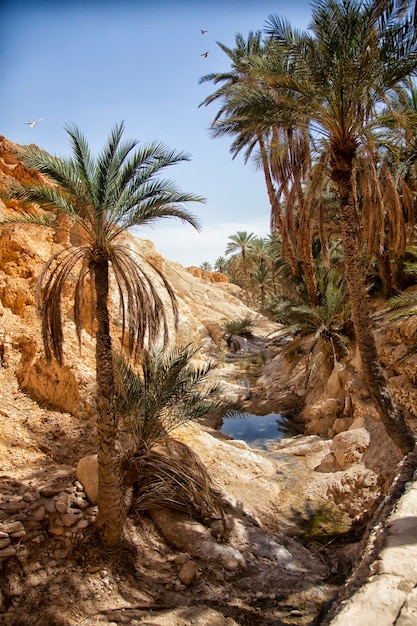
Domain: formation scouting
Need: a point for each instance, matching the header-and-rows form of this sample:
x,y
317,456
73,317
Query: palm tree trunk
x,y
110,474
390,415
276,217
305,244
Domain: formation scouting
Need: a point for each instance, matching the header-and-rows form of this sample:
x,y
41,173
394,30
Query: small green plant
x,y
321,522
237,328
242,327
166,391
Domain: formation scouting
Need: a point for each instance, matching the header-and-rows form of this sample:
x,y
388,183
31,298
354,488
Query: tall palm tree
x,y
241,73
284,152
104,197
357,52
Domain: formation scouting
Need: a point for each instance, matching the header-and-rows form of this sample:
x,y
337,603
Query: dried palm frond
x,y
172,476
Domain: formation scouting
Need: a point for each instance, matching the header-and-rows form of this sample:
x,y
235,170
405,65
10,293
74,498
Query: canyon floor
x,y
168,570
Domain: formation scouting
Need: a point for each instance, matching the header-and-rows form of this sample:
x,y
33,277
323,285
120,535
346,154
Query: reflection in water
x,y
257,430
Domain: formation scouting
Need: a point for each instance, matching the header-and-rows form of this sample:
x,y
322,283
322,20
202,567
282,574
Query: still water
x,y
257,430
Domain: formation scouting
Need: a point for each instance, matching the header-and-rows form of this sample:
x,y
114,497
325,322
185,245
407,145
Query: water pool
x,y
257,430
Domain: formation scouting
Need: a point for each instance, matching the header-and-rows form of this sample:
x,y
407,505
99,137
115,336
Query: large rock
x,y
348,447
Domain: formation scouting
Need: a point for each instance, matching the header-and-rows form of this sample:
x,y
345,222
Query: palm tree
x,y
206,266
241,243
327,321
284,152
166,391
104,198
220,264
261,282
356,54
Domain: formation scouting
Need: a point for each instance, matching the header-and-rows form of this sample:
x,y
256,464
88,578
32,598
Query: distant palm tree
x,y
240,246
206,266
240,243
220,264
103,198
261,282
260,251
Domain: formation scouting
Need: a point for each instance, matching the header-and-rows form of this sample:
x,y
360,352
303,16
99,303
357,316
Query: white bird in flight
x,y
35,123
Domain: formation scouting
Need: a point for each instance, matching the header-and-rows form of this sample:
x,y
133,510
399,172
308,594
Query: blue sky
x,y
95,63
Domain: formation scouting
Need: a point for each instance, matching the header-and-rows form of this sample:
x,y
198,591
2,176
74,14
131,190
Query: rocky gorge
x,y
300,517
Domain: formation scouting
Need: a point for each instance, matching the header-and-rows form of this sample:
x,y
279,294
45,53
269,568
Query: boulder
x,y
349,446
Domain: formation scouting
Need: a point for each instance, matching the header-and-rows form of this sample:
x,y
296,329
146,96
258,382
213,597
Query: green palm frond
x,y
37,219
242,327
166,391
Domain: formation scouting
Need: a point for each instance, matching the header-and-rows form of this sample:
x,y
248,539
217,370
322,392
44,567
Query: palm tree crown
x,y
104,198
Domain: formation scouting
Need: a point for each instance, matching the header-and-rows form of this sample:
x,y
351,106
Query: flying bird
x,y
202,31
205,54
35,123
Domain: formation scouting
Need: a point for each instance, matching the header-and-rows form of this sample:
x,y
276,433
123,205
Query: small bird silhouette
x,y
202,31
35,123
205,54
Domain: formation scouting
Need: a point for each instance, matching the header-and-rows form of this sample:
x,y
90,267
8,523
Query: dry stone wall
x,y
35,514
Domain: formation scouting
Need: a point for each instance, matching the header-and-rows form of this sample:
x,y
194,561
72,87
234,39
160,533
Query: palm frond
x,y
167,390
172,476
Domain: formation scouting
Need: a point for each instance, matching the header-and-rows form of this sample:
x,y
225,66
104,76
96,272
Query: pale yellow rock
x,y
87,474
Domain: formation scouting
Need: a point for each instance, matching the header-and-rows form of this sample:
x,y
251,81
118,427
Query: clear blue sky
x,y
95,63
